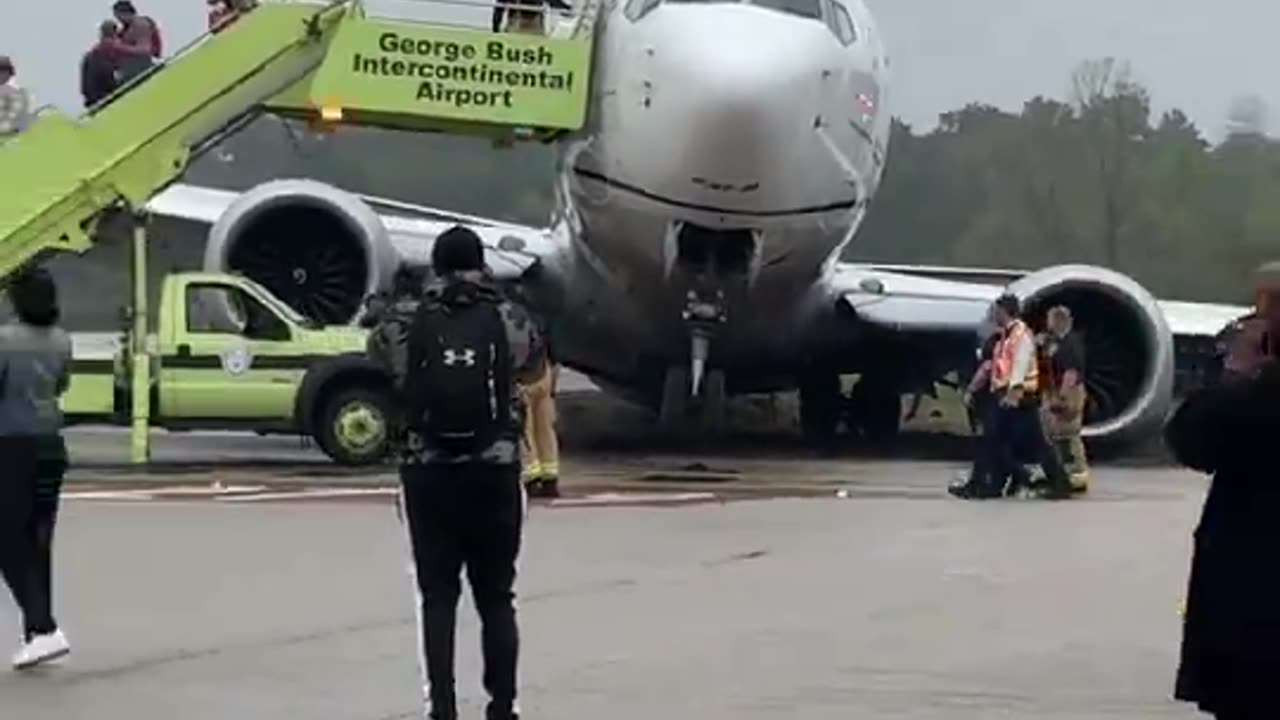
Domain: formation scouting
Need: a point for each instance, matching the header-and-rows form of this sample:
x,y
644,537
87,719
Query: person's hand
x,y
1012,398
967,398
1245,354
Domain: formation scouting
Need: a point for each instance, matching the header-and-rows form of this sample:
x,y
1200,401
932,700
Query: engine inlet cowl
x,y
1129,359
317,248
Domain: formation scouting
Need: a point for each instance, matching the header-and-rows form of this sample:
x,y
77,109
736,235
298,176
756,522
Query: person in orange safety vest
x,y
1015,384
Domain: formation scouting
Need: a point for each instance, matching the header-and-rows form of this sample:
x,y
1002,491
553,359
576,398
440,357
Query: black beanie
x,y
456,250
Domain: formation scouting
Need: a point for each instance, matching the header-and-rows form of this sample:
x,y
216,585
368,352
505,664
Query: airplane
x,y
731,152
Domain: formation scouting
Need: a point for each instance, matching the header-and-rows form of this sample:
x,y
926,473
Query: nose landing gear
x,y
696,387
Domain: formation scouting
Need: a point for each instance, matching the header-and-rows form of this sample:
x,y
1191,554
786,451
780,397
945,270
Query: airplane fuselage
x,y
732,151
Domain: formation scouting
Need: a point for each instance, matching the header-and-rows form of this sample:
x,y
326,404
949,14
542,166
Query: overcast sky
x,y
1194,54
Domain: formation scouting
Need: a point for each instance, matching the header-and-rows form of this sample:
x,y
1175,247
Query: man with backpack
x,y
466,349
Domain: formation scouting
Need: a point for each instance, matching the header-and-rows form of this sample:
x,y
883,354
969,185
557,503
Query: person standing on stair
x,y
524,16
15,101
139,41
35,360
99,68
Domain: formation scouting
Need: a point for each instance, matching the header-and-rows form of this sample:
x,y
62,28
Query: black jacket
x,y
98,76
1231,633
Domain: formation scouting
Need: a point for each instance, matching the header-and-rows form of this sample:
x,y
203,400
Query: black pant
x,y
29,490
986,448
467,515
1021,439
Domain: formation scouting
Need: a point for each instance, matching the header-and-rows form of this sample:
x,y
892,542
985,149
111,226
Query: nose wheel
x,y
682,411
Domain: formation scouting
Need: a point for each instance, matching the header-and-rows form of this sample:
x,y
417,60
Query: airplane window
x,y
637,9
843,24
803,8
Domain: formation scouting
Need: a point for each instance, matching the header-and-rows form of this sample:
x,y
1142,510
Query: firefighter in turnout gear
x,y
456,370
1064,398
542,446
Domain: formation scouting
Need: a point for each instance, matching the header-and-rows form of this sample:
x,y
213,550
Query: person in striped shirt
x,y
15,102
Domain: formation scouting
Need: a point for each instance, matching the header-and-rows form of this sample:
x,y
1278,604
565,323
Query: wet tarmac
x,y
888,600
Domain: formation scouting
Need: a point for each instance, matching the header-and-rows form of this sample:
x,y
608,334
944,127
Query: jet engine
x,y
1129,352
319,249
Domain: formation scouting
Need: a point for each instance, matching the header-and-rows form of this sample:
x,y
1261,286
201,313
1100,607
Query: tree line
x,y
1095,177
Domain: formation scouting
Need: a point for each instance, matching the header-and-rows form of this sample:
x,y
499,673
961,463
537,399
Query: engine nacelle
x,y
1129,352
319,249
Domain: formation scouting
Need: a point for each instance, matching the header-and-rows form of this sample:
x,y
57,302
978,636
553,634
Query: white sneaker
x,y
42,649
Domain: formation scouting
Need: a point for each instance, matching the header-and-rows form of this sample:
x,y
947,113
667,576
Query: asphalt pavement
x,y
894,601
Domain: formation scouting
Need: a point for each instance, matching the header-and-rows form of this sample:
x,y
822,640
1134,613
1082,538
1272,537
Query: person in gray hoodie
x,y
35,359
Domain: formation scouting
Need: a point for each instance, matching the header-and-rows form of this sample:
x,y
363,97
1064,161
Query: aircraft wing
x,y
1142,352
510,249
939,299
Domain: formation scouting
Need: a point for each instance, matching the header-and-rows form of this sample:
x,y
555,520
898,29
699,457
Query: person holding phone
x,y
1230,656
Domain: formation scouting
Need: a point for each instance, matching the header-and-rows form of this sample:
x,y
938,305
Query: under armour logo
x,y
453,357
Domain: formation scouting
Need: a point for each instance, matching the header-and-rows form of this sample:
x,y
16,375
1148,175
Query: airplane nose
x,y
730,94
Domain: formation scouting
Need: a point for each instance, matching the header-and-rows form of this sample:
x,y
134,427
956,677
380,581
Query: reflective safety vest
x,y
1005,352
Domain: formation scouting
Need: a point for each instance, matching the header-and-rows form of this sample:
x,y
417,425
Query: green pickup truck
x,y
226,354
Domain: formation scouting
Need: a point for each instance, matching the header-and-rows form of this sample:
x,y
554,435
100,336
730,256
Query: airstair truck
x,y
64,176
229,355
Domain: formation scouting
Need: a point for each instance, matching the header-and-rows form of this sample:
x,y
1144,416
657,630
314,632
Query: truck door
x,y
231,357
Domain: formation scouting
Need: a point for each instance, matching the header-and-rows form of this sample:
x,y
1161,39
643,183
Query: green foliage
x,y
1093,178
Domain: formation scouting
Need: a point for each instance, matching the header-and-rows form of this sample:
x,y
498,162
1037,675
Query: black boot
x,y
550,487
973,490
545,488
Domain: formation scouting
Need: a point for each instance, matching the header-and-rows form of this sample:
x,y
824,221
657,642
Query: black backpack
x,y
457,391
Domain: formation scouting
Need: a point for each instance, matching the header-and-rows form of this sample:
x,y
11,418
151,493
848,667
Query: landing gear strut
x,y
696,385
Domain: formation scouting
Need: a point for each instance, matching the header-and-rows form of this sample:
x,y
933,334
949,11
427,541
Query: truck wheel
x,y
354,427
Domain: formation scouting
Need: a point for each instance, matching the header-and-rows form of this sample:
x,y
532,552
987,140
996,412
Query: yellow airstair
x,y
329,62
326,62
